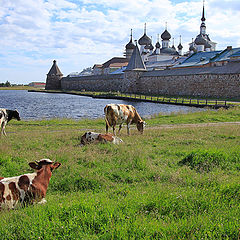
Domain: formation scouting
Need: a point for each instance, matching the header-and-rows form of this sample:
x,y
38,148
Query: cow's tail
x,y
106,111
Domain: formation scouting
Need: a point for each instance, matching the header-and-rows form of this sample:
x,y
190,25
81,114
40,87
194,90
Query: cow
x,y
122,113
28,188
92,137
5,116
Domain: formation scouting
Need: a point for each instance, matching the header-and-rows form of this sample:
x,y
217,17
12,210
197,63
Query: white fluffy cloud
x,y
81,33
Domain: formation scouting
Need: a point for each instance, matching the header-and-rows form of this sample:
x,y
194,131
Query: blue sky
x,y
81,33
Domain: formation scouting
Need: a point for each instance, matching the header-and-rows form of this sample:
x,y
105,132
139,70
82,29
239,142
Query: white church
x,y
165,56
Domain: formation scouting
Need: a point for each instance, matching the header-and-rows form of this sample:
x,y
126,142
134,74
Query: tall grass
x,y
169,183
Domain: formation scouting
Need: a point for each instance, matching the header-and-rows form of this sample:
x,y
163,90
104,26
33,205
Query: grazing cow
x,y
5,116
27,188
92,137
121,113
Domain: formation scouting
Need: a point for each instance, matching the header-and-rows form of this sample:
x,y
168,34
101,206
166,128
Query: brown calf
x,y
27,188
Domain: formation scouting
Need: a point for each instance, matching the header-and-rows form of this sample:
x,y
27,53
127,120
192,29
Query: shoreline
x,y
143,98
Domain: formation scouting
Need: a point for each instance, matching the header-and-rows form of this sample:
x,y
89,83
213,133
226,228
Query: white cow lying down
x,y
92,137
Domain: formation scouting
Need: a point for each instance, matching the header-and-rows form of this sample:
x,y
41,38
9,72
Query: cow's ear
x,y
56,165
34,165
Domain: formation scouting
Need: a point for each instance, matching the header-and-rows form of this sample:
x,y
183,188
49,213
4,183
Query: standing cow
x,y
122,113
27,188
5,116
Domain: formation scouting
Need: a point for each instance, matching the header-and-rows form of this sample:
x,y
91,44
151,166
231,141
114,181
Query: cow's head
x,y
16,115
84,139
89,137
44,163
140,125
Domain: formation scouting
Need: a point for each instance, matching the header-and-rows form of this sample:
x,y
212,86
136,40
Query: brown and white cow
x,y
5,116
27,188
122,113
92,137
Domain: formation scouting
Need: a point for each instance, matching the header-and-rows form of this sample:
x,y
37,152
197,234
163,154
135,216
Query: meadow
x,y
179,180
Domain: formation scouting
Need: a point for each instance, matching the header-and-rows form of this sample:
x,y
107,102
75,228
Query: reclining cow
x,y
92,137
27,188
5,116
121,113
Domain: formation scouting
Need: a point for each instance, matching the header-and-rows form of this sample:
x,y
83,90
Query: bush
x,y
206,160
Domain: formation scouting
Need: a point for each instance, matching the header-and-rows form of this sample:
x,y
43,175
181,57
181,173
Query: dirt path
x,y
163,126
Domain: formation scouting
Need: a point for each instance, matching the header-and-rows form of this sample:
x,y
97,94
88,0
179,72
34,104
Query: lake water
x,y
34,105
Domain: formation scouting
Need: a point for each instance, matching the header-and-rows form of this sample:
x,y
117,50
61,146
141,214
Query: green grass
x,y
177,182
211,102
23,87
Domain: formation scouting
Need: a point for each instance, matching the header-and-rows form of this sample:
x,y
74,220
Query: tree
x,y
7,84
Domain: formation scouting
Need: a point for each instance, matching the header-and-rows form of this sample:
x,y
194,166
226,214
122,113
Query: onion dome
x,y
144,40
151,47
166,35
157,45
130,45
200,40
180,47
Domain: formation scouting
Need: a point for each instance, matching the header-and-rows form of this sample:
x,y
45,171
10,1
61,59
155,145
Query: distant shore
x,y
190,102
19,88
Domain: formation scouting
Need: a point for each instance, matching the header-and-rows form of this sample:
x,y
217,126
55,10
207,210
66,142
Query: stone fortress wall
x,y
154,82
104,83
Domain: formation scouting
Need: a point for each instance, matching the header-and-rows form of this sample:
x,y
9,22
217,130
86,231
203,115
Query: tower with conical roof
x,y
54,76
135,62
129,47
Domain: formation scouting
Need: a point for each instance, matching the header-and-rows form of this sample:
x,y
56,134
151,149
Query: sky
x,y
81,33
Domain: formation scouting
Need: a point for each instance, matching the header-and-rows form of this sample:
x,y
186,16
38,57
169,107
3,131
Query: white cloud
x,y
81,33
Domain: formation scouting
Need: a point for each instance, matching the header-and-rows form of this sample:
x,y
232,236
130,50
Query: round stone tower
x,y
54,76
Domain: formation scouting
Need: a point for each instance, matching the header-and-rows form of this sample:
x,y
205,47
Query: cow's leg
x,y
3,129
1,125
128,128
114,133
106,128
120,127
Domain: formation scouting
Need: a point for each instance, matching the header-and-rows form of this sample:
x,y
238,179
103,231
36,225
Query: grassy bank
x,y
169,183
177,100
23,87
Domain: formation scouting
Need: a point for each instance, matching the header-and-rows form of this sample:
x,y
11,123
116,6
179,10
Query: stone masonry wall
x,y
99,83
201,85
204,85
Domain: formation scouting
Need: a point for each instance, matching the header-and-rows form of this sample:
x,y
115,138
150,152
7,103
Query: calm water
x,y
33,105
